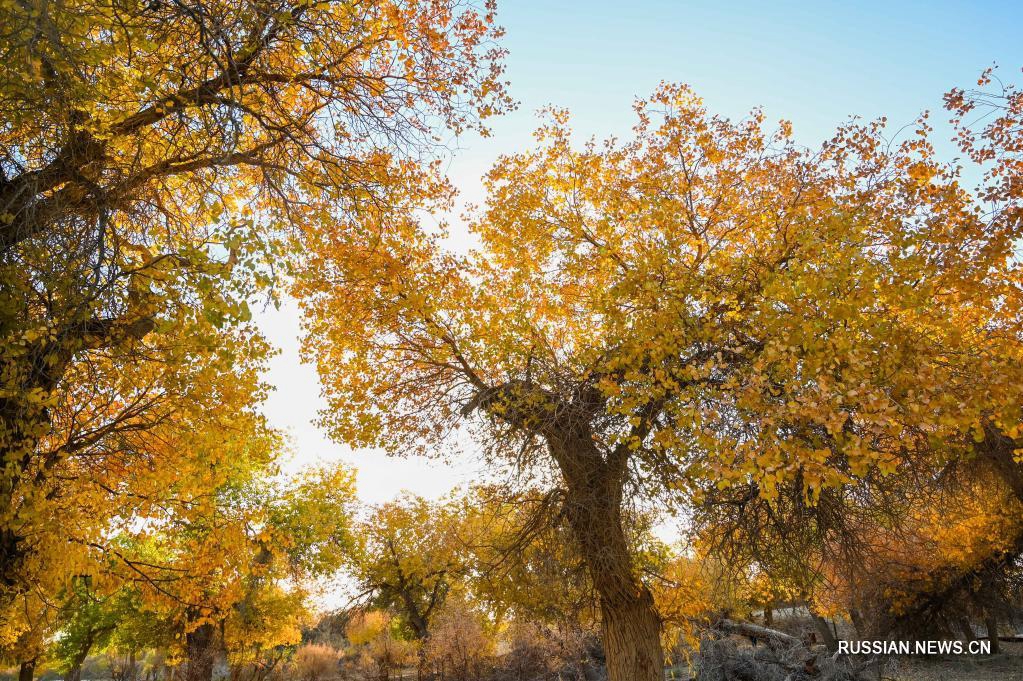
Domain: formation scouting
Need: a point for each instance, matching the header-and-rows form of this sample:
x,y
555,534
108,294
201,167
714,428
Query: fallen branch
x,y
755,631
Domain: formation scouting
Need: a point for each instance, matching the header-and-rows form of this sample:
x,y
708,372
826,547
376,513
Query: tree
x,y
88,622
410,555
26,643
226,570
155,158
872,546
709,301
459,648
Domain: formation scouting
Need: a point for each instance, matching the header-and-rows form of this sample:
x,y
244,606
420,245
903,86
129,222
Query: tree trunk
x,y
991,624
631,625
199,647
75,670
768,616
998,449
131,670
964,626
858,624
830,640
27,670
632,635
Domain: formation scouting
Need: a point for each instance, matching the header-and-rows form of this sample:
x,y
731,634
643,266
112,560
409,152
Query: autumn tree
x,y
410,554
523,562
708,301
154,157
25,647
459,648
88,622
226,565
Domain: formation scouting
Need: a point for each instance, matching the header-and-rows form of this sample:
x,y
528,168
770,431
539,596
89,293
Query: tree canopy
x,y
708,301
155,161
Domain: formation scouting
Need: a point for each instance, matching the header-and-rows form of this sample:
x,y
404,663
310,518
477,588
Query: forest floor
x,y
1008,666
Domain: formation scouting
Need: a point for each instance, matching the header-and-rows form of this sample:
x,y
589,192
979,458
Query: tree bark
x,y
27,670
199,647
825,631
991,624
631,625
858,624
966,629
75,671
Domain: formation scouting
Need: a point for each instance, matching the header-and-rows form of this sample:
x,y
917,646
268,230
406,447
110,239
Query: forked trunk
x,y
82,654
631,625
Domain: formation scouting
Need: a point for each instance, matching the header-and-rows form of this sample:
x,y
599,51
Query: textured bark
x,y
632,638
631,625
991,624
199,646
827,634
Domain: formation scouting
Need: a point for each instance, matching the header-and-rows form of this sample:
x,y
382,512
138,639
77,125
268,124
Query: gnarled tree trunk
x,y
631,625
824,629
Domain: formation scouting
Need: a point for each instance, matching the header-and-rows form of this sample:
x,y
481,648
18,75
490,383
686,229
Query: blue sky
x,y
813,63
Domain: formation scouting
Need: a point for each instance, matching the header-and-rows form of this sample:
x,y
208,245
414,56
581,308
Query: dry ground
x,y
1007,666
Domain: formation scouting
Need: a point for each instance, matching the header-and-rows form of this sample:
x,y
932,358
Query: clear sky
x,y
813,63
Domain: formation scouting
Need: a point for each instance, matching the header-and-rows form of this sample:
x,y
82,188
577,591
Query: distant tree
x,y
460,647
88,622
377,647
410,555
